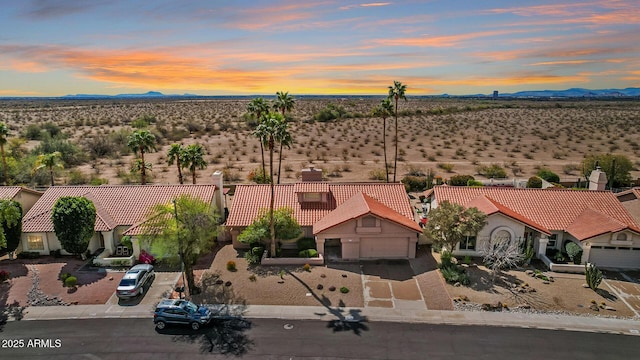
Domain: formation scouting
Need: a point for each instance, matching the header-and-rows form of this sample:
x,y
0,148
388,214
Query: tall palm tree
x,y
49,161
271,130
142,141
194,159
176,154
4,132
384,110
257,107
396,92
283,102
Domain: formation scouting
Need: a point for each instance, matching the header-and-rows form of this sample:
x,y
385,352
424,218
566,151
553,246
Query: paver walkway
x,y
390,284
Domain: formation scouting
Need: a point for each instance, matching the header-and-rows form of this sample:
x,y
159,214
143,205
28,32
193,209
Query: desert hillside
x,y
448,136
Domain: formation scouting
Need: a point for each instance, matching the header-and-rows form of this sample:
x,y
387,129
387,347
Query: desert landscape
x,y
447,136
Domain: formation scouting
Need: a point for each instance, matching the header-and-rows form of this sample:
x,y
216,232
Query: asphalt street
x,y
284,339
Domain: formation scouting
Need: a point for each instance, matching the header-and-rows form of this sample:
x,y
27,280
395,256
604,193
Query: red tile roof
x,y
249,199
490,206
553,209
360,205
592,223
9,192
116,205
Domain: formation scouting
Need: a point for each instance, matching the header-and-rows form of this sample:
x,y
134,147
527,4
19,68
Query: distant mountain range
x,y
568,93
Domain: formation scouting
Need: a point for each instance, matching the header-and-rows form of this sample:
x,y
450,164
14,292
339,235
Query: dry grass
x,y
461,134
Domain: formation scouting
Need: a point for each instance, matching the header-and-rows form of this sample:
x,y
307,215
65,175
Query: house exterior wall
x,y
495,223
51,243
352,234
610,240
26,200
633,206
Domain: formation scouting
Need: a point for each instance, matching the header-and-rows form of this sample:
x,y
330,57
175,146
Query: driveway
x,y
160,288
390,284
627,289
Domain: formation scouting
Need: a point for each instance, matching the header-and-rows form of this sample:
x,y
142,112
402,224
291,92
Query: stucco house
x,y
630,199
25,197
595,220
347,220
118,208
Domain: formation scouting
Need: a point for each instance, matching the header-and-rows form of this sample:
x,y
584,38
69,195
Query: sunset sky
x,y
240,47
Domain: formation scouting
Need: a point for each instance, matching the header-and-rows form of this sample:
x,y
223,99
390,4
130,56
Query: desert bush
x,y
474,183
331,112
454,275
254,255
257,176
415,183
493,171
548,175
96,181
460,180
231,265
100,146
574,251
76,177
344,290
71,281
377,174
4,275
306,243
306,267
308,253
534,182
593,276
71,154
569,169
446,167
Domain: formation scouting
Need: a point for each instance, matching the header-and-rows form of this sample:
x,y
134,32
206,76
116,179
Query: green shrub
x,y
309,253
452,275
252,258
306,243
460,180
446,259
474,183
331,112
71,281
534,182
76,177
574,251
231,265
377,174
28,255
593,276
493,171
96,181
548,175
344,289
64,276
414,183
126,241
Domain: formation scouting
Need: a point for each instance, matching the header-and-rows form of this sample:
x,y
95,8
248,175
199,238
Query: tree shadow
x,y
226,334
352,320
8,311
399,270
222,336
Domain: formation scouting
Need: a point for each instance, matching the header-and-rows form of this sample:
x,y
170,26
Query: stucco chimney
x,y
311,174
219,195
597,180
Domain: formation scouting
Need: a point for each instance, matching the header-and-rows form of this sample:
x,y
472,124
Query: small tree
x,y
501,253
74,219
534,182
574,251
548,175
10,218
449,224
460,180
593,276
616,166
285,225
184,229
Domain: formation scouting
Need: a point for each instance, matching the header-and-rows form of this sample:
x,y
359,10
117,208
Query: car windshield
x,y
190,307
127,282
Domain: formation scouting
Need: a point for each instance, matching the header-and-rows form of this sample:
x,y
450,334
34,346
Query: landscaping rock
x,y
585,285
523,306
546,282
457,284
609,308
594,307
529,272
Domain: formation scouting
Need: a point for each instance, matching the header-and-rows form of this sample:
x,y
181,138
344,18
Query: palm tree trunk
x,y
51,173
179,171
384,147
188,272
143,168
193,175
4,165
395,160
272,230
279,163
264,170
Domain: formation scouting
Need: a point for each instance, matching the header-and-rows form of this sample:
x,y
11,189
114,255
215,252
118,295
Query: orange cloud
x,y
440,41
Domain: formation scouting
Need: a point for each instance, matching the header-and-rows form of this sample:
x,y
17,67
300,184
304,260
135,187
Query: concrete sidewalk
x,y
502,319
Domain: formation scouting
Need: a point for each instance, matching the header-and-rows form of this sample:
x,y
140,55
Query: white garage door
x,y
384,248
621,257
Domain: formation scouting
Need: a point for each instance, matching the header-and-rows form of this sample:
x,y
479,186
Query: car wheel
x,y
160,325
195,325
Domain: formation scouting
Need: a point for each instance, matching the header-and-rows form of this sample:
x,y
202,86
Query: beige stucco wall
x,y
495,223
26,200
351,234
51,243
633,206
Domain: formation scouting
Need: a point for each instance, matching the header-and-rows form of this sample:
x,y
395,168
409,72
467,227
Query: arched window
x,y
621,237
502,234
